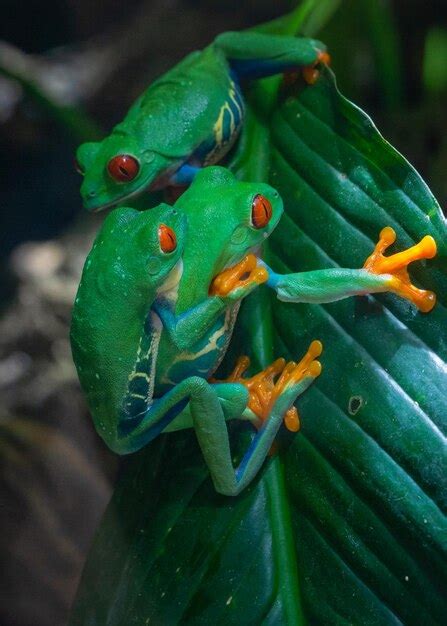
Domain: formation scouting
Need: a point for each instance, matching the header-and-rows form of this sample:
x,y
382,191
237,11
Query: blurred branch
x,y
17,67
62,79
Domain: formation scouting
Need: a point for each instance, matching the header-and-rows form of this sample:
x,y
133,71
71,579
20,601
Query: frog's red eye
x,y
123,168
167,238
78,167
261,211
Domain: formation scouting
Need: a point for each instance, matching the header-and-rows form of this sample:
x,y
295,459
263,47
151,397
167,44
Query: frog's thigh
x,y
259,54
233,399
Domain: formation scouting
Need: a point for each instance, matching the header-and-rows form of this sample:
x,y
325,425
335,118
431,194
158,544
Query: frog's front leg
x,y
231,285
256,55
379,274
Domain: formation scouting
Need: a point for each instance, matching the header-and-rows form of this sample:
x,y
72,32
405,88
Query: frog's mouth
x,y
145,188
151,185
119,201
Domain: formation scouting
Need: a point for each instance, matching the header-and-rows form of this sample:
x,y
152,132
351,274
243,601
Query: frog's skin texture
x,y
145,354
187,119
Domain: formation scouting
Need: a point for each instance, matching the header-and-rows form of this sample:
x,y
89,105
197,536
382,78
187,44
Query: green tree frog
x,y
188,118
156,307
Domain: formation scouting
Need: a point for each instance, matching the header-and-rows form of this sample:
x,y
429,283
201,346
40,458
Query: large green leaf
x,y
345,525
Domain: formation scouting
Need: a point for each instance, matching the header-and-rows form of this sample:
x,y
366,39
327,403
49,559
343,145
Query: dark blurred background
x,y
69,69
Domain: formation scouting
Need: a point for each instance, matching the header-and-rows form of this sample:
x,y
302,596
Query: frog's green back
x,y
201,82
118,285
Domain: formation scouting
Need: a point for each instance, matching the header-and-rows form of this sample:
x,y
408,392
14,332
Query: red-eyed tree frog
x,y
189,118
156,307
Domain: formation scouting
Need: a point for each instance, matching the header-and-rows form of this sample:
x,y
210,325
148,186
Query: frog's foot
x,y
292,374
396,266
311,73
244,274
259,386
265,387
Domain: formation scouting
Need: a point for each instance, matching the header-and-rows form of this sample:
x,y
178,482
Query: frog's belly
x,y
204,357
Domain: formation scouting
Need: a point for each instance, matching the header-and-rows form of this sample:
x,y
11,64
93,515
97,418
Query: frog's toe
x,y
396,266
291,376
242,365
311,73
292,420
294,373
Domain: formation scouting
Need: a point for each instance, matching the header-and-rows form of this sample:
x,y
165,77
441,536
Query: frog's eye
x,y
167,238
78,167
261,211
123,168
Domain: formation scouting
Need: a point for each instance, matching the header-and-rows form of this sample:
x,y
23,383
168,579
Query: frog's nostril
x,y
91,193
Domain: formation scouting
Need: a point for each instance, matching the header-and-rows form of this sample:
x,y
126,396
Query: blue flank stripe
x,y
248,454
258,68
126,427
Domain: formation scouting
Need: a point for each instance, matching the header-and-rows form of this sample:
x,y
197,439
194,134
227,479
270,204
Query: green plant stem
x,y
288,586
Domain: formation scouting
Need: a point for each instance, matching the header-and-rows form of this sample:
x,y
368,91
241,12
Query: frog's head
x,y
116,168
137,252
239,215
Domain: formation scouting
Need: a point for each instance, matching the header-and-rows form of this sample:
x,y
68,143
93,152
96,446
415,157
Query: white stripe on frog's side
x,y
211,346
135,402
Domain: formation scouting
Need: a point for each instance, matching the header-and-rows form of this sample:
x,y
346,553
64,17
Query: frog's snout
x,y
88,190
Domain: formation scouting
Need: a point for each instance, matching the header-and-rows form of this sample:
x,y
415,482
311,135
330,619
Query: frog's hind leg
x,y
208,419
293,380
255,55
233,402
178,409
271,401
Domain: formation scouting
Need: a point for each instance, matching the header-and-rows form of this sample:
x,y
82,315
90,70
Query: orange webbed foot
x,y
265,387
396,265
241,275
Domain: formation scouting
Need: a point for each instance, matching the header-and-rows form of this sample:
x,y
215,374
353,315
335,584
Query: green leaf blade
x,y
374,490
